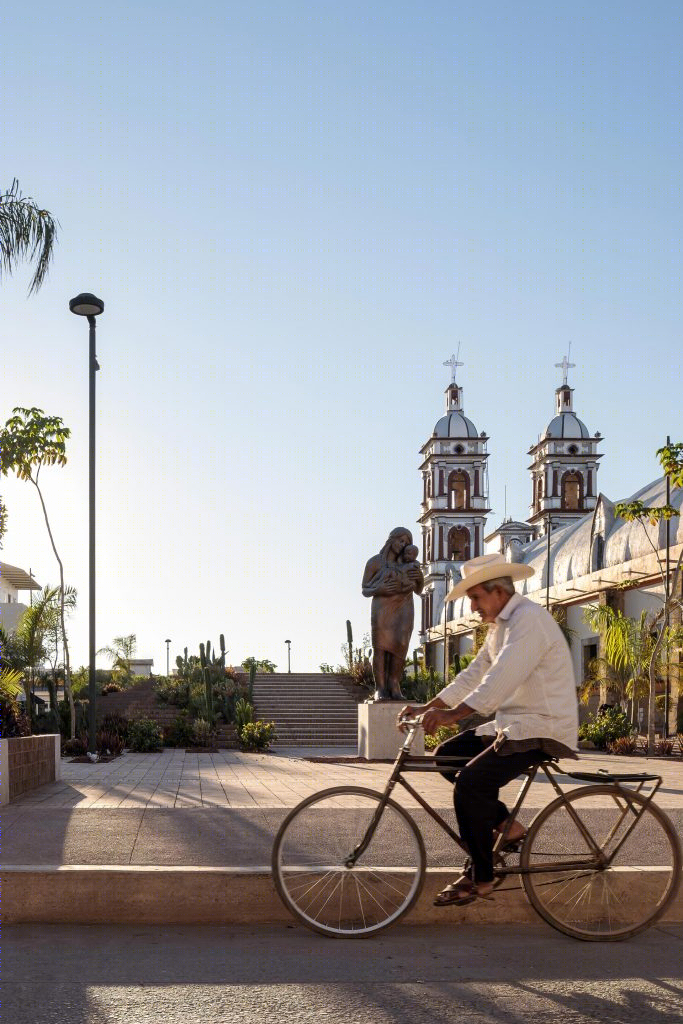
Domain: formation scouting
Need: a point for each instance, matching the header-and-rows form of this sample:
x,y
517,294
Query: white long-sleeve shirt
x,y
524,674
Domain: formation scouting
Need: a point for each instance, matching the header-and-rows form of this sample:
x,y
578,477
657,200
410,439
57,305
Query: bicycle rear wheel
x,y
309,863
597,903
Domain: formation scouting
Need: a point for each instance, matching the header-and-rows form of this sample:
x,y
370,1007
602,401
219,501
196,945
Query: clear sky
x,y
294,213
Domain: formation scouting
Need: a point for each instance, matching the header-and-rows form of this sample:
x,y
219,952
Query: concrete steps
x,y
309,709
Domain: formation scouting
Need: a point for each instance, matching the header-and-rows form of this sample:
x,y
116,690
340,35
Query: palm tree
x,y
30,638
121,653
53,633
631,646
26,233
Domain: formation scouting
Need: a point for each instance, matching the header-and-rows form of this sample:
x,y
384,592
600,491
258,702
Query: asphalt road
x,y
428,975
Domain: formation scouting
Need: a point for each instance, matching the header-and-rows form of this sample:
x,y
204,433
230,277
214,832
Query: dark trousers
x,y
477,807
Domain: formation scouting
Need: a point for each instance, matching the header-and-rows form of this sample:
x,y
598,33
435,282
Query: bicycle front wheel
x,y
310,856
584,899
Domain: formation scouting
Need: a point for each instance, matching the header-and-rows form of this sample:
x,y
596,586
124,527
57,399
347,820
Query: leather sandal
x,y
459,894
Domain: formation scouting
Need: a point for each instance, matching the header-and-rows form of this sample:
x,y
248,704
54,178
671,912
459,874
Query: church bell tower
x,y
454,501
564,465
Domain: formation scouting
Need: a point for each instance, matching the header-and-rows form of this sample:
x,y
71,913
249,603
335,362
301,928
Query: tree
x,y
53,636
30,639
26,233
629,646
671,460
3,520
120,653
259,666
28,441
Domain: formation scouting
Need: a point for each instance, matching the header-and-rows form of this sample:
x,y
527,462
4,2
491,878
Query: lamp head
x,y
86,304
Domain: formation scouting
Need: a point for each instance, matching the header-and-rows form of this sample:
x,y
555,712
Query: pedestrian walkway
x,y
233,779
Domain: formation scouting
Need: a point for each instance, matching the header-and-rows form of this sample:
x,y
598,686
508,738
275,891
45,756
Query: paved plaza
x,y
229,778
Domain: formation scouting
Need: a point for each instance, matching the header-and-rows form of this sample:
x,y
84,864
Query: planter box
x,y
27,762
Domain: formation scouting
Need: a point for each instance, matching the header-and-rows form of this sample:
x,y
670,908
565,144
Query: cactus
x,y
208,679
415,662
349,636
252,673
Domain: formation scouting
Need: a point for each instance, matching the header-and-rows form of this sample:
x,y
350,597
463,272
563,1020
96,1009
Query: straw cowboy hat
x,y
484,568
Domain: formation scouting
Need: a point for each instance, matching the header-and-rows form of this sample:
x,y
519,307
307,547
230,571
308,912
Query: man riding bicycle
x,y
523,675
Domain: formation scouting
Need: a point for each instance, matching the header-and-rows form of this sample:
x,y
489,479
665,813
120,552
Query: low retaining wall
x,y
103,894
27,762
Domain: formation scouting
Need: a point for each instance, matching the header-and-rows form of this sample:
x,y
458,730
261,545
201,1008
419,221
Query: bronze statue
x,y
390,579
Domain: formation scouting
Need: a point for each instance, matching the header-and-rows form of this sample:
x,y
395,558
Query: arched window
x,y
572,492
598,553
429,547
458,489
459,543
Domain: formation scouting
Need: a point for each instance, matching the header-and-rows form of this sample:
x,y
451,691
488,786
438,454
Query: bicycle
x,y
350,861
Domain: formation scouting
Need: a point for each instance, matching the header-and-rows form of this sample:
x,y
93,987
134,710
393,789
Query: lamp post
x,y
167,642
90,306
289,651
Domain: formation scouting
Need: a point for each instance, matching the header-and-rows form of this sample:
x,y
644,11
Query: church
x,y
581,552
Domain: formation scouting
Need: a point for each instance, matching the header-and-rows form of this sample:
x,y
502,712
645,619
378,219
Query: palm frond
x,y
27,232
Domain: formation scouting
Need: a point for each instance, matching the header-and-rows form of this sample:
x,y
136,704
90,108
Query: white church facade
x,y
581,552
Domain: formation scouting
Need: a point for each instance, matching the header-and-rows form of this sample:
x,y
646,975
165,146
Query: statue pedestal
x,y
378,737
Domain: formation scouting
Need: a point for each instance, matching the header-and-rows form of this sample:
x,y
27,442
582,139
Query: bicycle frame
x,y
407,762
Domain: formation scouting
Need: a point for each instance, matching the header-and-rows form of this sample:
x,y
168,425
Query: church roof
x,y
455,424
570,546
566,424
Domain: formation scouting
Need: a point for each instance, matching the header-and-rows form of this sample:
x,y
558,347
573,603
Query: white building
x,y
12,582
589,557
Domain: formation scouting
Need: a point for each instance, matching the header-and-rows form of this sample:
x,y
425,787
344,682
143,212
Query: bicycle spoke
x,y
312,848
613,898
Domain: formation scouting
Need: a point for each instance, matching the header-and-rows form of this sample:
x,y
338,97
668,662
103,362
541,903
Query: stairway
x,y
309,709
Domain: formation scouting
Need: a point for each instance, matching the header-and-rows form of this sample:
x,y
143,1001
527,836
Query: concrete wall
x,y
10,615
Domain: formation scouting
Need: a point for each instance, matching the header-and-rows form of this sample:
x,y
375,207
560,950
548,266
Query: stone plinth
x,y
378,737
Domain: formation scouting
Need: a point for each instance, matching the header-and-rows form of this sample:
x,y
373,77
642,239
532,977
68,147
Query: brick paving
x,y
232,779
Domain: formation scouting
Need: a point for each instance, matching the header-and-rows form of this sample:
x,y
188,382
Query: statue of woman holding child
x,y
390,579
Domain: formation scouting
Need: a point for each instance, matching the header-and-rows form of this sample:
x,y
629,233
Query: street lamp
x,y
167,642
89,305
289,651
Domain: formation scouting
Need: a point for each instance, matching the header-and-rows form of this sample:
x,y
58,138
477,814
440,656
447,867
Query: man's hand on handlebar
x,y
408,711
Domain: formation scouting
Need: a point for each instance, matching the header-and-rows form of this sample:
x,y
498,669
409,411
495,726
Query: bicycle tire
x,y
601,904
309,870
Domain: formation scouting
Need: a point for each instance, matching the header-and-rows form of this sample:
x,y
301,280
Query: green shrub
x,y
443,733
257,735
173,690
46,721
625,745
244,714
76,747
144,736
179,732
111,688
109,743
605,727
13,721
81,707
202,733
116,723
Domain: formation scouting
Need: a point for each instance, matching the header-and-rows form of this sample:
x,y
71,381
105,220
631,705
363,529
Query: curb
x,y
127,894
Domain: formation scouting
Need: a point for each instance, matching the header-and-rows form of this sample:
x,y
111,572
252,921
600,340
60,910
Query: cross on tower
x,y
453,363
565,365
